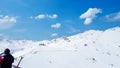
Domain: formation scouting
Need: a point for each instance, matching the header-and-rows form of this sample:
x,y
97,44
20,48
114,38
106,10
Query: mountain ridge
x,y
91,49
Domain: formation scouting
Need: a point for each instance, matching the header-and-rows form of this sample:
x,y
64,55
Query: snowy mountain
x,y
91,49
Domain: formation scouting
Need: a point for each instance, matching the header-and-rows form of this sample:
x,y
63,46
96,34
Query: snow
x,y
91,49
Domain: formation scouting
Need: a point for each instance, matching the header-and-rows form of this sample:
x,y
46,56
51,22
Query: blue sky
x,y
48,19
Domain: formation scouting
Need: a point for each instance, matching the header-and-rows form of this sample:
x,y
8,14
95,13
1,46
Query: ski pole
x,y
19,61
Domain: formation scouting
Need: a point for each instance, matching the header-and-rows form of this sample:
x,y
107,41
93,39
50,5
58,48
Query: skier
x,y
7,60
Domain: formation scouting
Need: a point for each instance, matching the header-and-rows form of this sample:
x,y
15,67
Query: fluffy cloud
x,y
43,16
54,34
57,25
7,22
52,16
89,15
113,17
7,19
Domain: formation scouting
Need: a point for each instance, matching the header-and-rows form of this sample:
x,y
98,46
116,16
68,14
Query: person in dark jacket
x,y
7,60
0,61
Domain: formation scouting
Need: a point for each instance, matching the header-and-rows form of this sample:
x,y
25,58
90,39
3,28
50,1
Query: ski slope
x,y
91,49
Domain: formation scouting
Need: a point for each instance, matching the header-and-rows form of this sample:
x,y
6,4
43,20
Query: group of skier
x,y
6,59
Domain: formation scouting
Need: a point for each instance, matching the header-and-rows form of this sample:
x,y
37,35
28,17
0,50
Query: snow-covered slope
x,y
91,49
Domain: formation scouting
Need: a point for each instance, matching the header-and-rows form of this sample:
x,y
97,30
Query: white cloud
x,y
113,17
7,19
52,16
57,25
87,21
54,35
43,16
89,15
7,22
